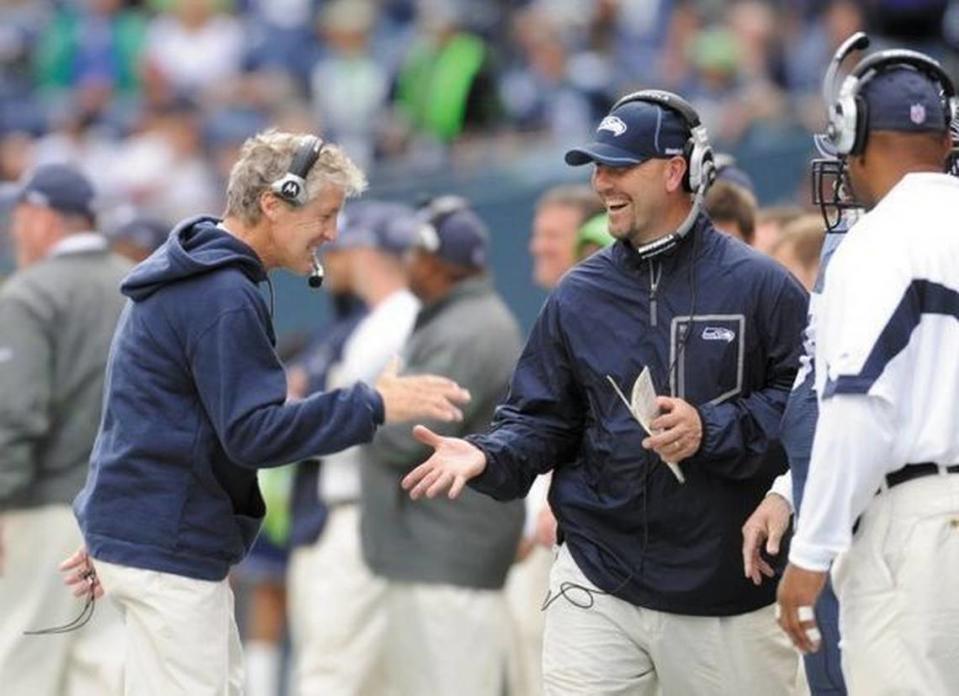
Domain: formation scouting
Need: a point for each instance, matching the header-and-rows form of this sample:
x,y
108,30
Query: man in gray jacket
x,y
57,317
445,562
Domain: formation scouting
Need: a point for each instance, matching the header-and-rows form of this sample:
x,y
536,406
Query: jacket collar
x,y
624,254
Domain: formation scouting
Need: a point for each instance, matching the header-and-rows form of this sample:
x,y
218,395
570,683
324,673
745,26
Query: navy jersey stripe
x,y
921,297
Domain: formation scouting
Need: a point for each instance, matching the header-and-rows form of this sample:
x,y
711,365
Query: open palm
x,y
453,463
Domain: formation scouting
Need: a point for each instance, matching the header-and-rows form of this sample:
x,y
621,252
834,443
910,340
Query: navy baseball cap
x,y
143,230
456,235
631,134
904,99
59,187
387,227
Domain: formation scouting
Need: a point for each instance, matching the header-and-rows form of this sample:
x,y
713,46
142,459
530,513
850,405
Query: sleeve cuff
x,y
487,481
376,403
699,455
810,556
783,487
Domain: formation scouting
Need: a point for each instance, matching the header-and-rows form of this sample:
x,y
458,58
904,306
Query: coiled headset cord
x,y
85,614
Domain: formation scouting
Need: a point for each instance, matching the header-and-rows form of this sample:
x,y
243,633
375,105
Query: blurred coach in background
x,y
57,316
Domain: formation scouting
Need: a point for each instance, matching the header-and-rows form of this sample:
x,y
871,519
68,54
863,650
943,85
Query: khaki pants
x,y
616,648
446,640
33,596
181,635
898,589
525,590
337,613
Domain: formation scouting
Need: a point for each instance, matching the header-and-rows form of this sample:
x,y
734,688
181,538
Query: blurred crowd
x,y
131,91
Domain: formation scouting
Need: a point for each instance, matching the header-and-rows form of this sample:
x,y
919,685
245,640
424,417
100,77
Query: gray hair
x,y
267,156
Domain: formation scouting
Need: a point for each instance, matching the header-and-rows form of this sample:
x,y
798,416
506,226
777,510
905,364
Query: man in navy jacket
x,y
648,589
195,402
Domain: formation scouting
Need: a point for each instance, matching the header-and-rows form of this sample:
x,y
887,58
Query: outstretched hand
x,y
453,463
407,398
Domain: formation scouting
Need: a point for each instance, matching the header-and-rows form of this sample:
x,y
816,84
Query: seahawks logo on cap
x,y
613,124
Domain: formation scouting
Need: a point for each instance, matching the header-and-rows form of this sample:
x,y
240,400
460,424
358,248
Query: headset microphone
x,y
315,279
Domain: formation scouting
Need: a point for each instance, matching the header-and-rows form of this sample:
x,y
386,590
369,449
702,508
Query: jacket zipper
x,y
655,275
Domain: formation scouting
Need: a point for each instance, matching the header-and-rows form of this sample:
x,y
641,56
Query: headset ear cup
x,y
689,177
707,168
862,127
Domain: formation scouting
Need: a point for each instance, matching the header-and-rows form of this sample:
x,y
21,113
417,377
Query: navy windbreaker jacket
x,y
632,528
194,402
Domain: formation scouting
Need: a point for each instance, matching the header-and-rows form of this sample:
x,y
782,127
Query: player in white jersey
x,y
881,504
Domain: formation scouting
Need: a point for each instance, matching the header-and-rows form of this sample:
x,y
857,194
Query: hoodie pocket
x,y
224,508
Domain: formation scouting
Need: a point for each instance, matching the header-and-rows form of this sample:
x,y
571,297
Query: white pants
x,y
446,640
33,596
337,613
898,589
616,648
181,635
525,590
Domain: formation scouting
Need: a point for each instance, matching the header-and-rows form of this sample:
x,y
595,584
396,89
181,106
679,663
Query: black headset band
x,y
306,156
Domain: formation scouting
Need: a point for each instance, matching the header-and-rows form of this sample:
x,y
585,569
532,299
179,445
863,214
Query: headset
x,y
700,163
847,126
291,187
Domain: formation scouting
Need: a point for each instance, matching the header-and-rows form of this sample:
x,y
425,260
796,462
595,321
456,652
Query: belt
x,y
908,473
914,471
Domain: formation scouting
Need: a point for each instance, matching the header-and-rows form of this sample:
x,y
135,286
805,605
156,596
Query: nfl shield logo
x,y
917,114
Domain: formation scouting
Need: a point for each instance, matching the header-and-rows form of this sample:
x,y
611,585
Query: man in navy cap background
x,y
445,562
57,317
647,594
881,501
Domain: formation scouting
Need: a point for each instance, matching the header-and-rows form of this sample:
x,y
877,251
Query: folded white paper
x,y
642,405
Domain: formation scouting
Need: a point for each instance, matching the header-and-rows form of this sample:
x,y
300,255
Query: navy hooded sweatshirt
x,y
194,403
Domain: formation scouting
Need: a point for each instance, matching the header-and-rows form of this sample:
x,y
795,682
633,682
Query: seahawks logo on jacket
x,y
716,333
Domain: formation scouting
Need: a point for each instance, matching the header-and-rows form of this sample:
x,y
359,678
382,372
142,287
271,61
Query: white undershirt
x,y
378,337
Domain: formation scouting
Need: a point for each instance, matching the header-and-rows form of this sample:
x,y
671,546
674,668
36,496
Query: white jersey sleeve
x,y
886,373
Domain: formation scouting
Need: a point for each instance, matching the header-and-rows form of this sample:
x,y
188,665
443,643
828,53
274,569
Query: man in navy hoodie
x,y
195,402
647,591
